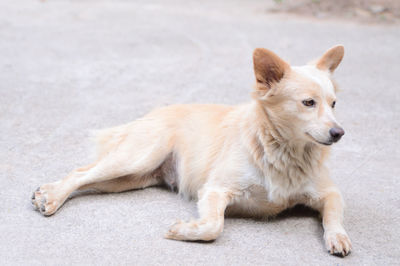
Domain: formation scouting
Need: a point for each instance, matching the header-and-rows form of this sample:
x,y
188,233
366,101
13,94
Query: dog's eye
x,y
333,104
309,102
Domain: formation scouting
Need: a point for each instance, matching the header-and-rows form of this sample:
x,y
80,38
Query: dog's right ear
x,y
268,68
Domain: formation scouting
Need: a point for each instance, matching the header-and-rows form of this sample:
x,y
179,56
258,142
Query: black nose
x,y
336,133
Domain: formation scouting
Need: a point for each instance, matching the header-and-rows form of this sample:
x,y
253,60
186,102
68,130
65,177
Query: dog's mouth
x,y
317,141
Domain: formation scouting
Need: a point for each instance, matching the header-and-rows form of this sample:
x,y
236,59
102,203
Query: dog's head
x,y
299,101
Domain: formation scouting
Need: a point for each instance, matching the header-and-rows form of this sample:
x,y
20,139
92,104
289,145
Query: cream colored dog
x,y
255,159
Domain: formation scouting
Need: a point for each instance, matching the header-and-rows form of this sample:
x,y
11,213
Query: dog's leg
x,y
211,206
336,240
122,162
49,197
125,183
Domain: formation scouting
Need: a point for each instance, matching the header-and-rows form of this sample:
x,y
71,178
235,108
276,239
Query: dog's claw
x,y
33,196
338,254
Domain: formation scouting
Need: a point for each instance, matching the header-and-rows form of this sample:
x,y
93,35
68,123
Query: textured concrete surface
x,y
71,66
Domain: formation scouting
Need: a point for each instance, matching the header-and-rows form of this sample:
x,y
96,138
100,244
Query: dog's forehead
x,y
321,78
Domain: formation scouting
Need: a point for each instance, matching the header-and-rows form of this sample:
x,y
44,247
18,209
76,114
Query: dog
x,y
255,159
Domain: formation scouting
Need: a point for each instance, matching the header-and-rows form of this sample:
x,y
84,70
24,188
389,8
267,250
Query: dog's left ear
x,y
331,59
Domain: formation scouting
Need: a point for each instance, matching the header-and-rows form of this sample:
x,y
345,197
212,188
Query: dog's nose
x,y
336,133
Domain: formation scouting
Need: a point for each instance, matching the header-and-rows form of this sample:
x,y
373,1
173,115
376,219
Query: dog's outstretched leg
x,y
125,183
106,175
331,205
211,206
336,240
128,165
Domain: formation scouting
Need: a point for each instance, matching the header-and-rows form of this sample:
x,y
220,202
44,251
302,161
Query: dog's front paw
x,y
337,243
194,231
177,231
188,231
46,199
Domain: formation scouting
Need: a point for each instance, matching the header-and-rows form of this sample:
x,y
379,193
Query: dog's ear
x,y
268,68
331,58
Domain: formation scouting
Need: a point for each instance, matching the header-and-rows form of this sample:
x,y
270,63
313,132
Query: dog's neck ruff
x,y
285,164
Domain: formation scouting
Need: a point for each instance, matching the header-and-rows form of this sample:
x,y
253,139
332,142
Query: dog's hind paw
x,y
45,199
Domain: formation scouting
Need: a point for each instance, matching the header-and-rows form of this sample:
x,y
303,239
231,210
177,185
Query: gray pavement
x,y
71,66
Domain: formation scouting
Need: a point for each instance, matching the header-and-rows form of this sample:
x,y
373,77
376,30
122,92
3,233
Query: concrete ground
x,y
71,66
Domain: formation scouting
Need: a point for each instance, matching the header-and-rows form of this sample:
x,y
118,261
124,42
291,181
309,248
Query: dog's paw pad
x,y
338,244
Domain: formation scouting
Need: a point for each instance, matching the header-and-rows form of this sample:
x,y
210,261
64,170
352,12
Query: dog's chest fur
x,y
285,177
